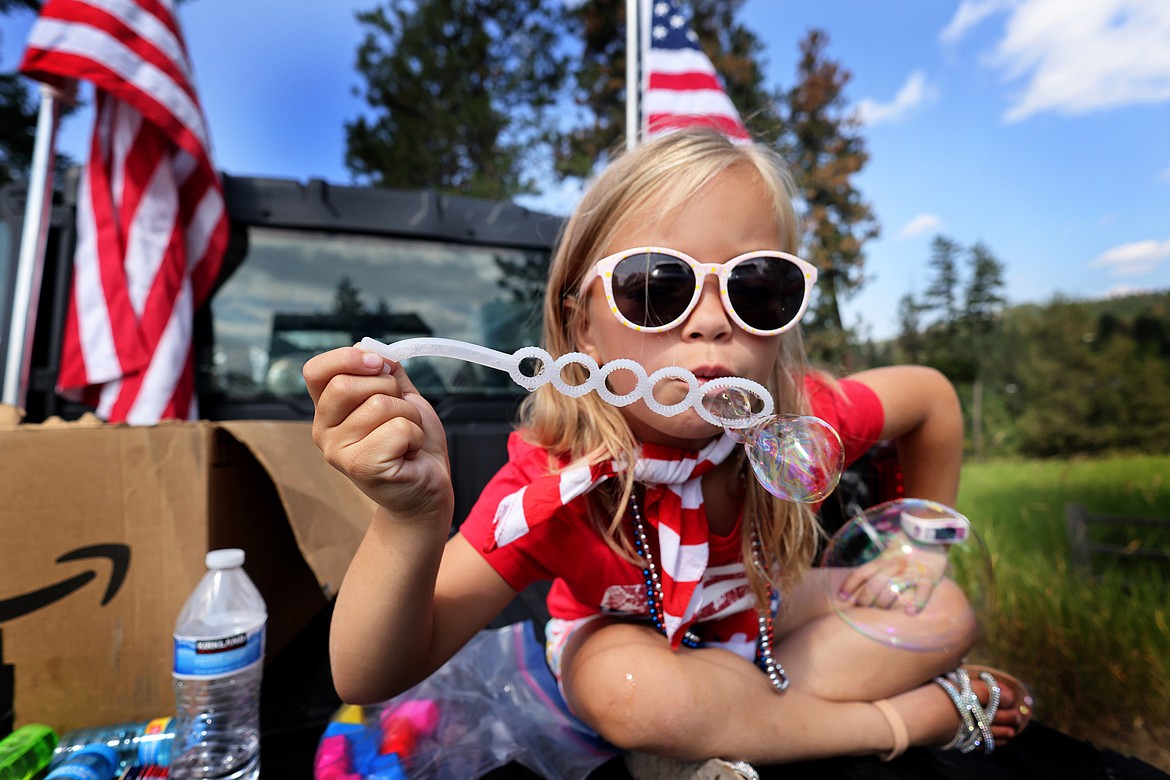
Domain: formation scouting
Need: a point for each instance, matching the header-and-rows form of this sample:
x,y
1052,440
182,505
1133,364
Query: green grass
x,y
1095,648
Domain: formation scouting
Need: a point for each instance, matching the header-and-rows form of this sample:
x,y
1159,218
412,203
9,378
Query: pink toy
x,y
333,760
404,724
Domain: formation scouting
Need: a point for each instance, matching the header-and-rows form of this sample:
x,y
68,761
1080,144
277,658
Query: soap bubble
x,y
795,457
910,573
729,406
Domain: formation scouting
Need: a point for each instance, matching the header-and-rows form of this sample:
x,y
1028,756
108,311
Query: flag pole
x,y
33,237
633,88
645,17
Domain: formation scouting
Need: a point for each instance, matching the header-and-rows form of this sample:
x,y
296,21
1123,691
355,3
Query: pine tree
x,y
18,124
983,300
942,296
824,144
459,93
18,113
347,299
910,340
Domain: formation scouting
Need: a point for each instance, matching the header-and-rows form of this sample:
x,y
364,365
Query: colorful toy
x,y
378,748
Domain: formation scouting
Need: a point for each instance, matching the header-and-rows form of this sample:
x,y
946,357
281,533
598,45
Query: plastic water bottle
x,y
141,742
219,659
96,762
26,751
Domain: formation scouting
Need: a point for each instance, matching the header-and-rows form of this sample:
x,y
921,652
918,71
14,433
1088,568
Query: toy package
x,y
495,702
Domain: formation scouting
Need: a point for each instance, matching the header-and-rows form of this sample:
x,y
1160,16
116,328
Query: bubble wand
x,y
795,457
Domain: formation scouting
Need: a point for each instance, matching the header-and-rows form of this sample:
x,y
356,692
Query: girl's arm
x,y
923,416
410,598
395,622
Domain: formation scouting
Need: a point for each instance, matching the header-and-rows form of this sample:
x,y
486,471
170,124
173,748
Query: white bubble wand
x,y
795,457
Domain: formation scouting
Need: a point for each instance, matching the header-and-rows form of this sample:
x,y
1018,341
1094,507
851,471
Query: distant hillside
x,y
1125,307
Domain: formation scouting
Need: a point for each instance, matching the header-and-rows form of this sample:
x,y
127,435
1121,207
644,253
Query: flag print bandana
x,y
673,506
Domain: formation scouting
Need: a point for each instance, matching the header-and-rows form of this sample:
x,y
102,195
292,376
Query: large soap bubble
x,y
795,457
910,573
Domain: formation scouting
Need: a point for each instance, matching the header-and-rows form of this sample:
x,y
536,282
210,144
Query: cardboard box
x,y
103,530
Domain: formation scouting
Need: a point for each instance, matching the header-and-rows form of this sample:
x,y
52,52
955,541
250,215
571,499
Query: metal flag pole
x,y
633,87
33,237
645,17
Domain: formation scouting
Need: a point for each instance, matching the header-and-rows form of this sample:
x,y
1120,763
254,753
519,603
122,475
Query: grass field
x,y
1095,647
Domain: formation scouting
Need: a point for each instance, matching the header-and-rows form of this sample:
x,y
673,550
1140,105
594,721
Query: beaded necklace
x,y
764,639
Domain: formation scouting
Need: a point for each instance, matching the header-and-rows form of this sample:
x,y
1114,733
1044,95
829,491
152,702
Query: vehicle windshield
x,y
300,293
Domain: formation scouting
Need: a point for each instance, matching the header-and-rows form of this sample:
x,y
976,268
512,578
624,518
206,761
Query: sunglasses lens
x,y
766,292
652,289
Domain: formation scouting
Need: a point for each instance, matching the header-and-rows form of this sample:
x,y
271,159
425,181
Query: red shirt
x,y
589,578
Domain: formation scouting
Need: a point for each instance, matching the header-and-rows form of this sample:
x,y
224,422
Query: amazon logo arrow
x,y
119,555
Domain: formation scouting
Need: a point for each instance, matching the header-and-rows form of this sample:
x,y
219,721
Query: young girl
x,y
679,255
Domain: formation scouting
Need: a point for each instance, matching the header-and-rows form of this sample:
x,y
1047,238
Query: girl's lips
x,y
707,373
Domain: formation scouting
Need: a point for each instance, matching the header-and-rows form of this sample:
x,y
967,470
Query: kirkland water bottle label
x,y
220,656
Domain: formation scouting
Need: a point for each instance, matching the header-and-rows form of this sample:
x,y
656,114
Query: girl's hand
x,y
904,574
373,426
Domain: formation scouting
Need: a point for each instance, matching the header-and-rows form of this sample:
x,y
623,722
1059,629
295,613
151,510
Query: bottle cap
x,y
229,558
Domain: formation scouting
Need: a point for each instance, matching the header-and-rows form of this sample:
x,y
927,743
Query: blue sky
x,y
1039,127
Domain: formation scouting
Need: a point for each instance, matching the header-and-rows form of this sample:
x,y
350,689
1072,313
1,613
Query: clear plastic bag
x,y
494,703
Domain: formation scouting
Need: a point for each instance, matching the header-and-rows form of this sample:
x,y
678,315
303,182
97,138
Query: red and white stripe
x,y
673,506
680,85
151,226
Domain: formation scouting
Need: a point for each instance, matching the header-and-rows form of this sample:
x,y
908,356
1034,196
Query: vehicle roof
x,y
422,214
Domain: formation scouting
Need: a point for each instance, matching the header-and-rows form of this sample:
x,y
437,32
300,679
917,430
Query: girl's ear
x,y
576,312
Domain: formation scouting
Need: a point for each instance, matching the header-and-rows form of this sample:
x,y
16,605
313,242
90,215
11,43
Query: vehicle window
x,y
299,293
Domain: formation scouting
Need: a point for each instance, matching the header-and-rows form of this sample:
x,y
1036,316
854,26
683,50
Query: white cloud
x,y
923,223
1165,175
913,93
1123,290
971,13
1074,58
1134,259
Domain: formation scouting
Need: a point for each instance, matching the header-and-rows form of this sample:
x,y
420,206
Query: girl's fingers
x,y
383,453
873,591
856,578
889,597
923,591
347,395
320,370
374,401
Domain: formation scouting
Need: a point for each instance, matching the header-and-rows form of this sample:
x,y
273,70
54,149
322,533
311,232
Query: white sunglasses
x,y
654,289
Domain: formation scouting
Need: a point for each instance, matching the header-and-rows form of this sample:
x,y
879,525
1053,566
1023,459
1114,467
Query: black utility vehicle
x,y
314,266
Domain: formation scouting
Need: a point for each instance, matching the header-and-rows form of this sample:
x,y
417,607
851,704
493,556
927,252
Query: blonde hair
x,y
667,171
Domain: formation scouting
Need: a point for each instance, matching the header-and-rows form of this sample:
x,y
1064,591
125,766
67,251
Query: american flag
x,y
151,222
680,85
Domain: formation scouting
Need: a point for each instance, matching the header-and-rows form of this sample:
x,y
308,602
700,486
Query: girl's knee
x,y
955,622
